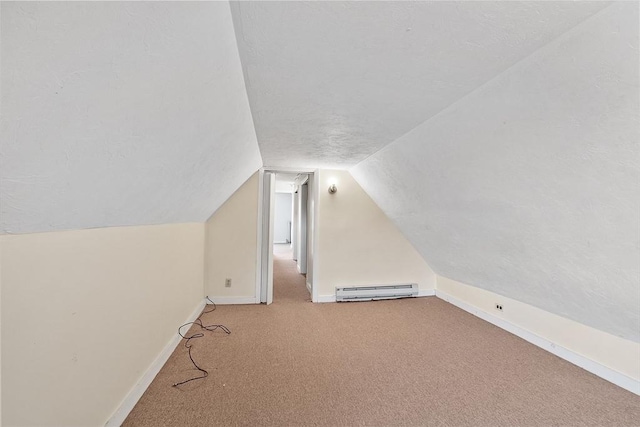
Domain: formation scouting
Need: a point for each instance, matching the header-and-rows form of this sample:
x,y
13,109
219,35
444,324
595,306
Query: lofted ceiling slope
x,y
501,137
330,83
120,113
530,186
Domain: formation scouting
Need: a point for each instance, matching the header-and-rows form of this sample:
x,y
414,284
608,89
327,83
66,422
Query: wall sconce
x,y
333,189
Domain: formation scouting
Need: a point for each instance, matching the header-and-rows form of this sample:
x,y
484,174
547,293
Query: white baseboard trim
x,y
308,287
585,363
144,382
426,292
234,300
326,298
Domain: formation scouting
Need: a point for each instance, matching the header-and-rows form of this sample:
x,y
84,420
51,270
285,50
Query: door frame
x,y
266,221
303,212
264,258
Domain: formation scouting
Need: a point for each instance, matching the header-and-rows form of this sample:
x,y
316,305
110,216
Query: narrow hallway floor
x,y
289,286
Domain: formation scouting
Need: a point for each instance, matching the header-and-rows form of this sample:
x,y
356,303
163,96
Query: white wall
x,y
529,187
358,244
120,113
283,186
231,246
618,354
283,218
85,313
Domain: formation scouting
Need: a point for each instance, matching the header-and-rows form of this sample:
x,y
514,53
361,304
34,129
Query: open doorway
x,y
289,266
285,236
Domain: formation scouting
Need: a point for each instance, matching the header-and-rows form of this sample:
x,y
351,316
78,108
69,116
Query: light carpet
x,y
417,361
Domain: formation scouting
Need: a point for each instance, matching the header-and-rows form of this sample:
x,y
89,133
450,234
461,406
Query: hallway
x,y
289,286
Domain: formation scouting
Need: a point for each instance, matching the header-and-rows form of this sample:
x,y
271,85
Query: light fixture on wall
x,y
333,189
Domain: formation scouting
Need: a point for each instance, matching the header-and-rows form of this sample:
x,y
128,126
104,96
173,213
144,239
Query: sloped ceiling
x,y
331,83
120,113
501,137
530,186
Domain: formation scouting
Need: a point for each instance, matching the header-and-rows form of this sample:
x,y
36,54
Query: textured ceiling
x,y
120,113
330,83
530,186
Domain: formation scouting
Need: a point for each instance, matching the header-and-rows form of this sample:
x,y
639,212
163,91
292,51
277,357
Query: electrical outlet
x,y
498,306
227,283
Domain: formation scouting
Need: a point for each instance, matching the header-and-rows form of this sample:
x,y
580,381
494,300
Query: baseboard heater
x,y
368,293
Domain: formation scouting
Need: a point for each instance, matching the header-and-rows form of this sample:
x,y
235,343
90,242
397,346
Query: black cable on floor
x,y
189,345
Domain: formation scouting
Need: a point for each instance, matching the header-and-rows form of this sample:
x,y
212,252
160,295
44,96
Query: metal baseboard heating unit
x,y
369,293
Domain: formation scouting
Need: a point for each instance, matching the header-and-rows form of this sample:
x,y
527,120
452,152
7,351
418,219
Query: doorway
x,y
286,234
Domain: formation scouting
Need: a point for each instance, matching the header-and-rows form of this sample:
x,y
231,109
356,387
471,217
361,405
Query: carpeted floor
x,y
403,362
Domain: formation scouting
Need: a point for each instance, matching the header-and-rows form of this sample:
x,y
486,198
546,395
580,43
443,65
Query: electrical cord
x,y
189,345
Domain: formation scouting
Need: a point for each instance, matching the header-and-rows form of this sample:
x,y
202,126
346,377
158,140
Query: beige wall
x,y
609,350
231,246
358,244
85,313
0,332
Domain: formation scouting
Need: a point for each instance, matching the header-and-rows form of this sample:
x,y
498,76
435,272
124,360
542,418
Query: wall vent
x,y
368,293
